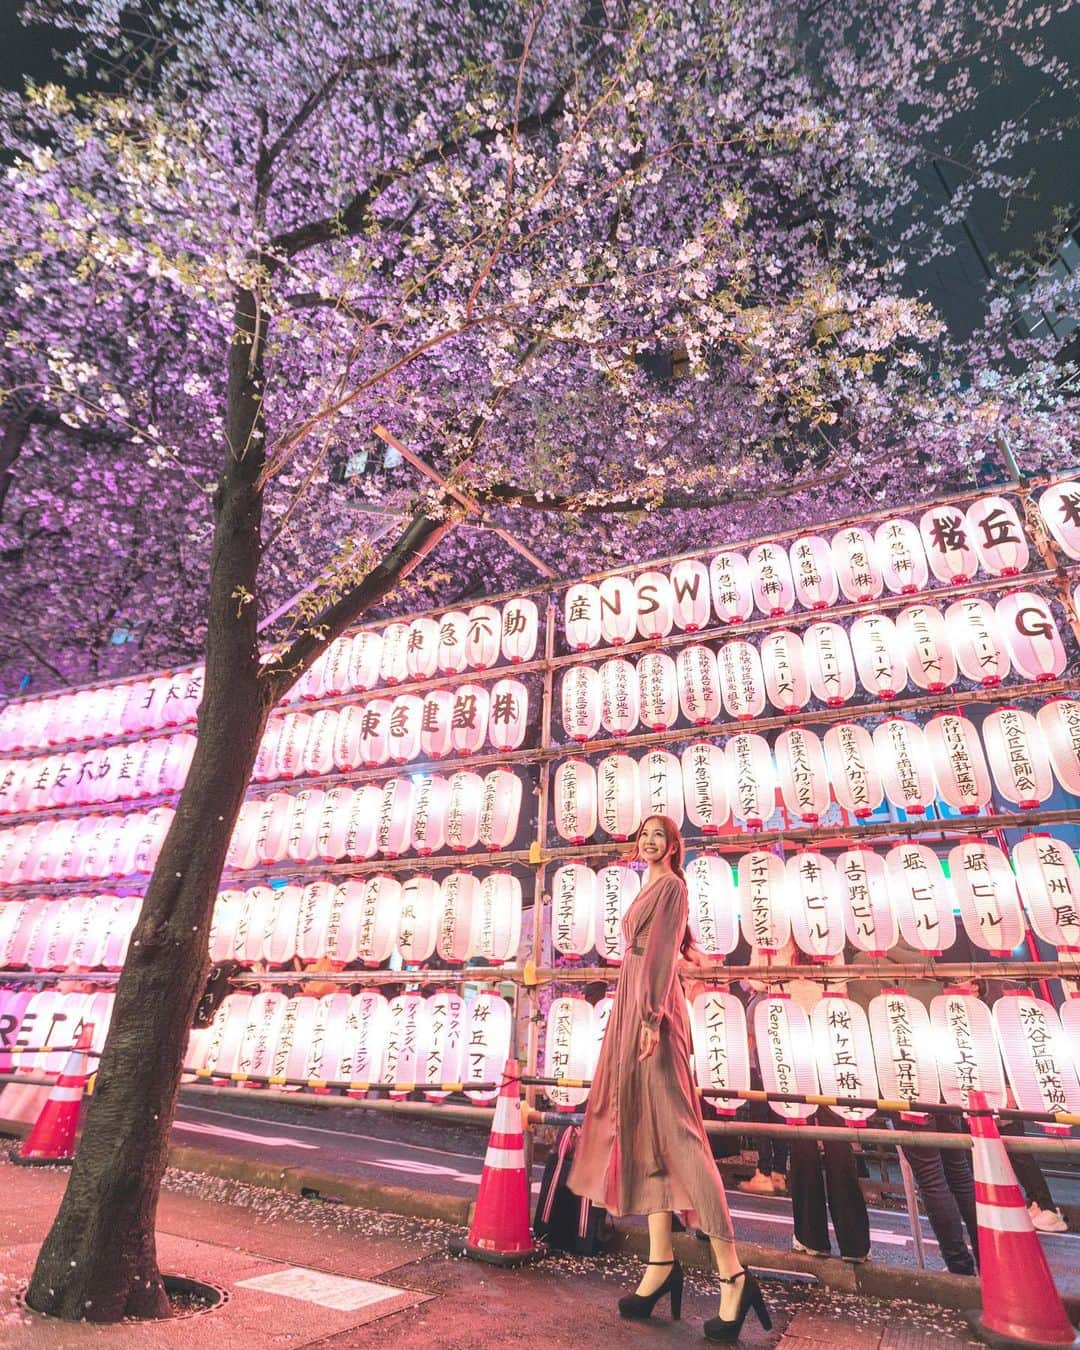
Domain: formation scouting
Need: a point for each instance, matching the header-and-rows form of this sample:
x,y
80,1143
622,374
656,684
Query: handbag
x,y
565,1221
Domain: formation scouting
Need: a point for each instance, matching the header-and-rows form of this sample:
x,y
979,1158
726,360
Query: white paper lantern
x,y
377,926
660,786
963,780
581,702
785,1050
430,800
575,801
1059,722
763,901
319,746
699,684
445,1060
658,691
801,771
1036,1053
770,579
331,1059
998,536
292,743
573,905
422,649
921,898
418,919
342,929
830,666
304,818
435,723
947,541
365,659
265,767
453,633
742,683
393,661
655,604
618,796
256,1055
568,1049
375,732
966,1049
902,557
617,887
282,927
122,921
406,1042
463,804
879,658
362,830
845,1055
816,584
469,719
520,630
500,808
721,1053
869,917
405,721
460,895
313,920
732,587
904,764
989,902
619,706
853,770
783,666
705,790
508,714
582,617
488,1042
713,907
483,640
690,591
496,919
857,567
924,642
1070,1022
1032,636
335,680
751,779
977,641
903,1048
1059,506
816,904
1049,880
618,611
1018,759
394,830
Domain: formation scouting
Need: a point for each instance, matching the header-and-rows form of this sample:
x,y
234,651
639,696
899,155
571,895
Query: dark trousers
x,y
1028,1172
946,1184
772,1153
826,1174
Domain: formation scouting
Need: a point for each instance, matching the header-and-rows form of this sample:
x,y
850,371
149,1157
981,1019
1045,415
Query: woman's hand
x,y
648,1040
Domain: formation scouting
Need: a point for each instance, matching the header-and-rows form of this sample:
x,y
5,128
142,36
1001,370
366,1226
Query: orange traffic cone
x,y
500,1233
52,1140
1020,1304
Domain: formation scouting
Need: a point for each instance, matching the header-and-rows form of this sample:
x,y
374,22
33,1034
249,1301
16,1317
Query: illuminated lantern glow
x,y
617,887
469,719
313,920
122,920
1070,1022
783,667
900,552
406,1042
488,1043
13,1007
333,1063
751,779
879,658
989,903
853,770
830,666
13,773
377,925
869,918
430,798
573,905
977,641
302,1025
658,691
956,755
393,660
496,919
347,738
42,1024
156,825
845,1054
422,649
10,917
310,684
265,767
699,685
91,936
460,896
251,912
1059,722
947,540
375,732
690,592
998,536
763,901
742,683
721,1053
219,1050
1018,758
333,824
319,749
272,827
618,796
343,928
705,792
816,584
655,604
256,1054
463,804
770,579
857,567
366,1027
445,1058
148,769
1032,636
394,830
786,1053
619,705
500,807
365,659
1059,507
435,723
41,937
174,769
581,702
713,913
575,801
336,668
418,919
921,898
924,641
295,730
1034,1047
1049,880
618,611
816,907
581,616
453,634
483,637
282,925
568,1049
362,829
966,1049
660,786
801,771
903,1048
904,765
732,587
29,916
508,715
520,630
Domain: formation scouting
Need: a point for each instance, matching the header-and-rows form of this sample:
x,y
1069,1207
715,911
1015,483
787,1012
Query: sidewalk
x,y
358,1278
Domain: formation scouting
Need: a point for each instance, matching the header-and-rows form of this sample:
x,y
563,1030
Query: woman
x,y
643,1148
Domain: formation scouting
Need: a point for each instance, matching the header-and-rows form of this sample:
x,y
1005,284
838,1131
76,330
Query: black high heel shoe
x,y
637,1307
725,1329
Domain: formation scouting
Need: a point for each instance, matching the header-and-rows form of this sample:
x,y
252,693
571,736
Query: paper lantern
x,y
335,680
469,718
375,732
310,684
660,786
12,776
422,649
361,832
488,1043
998,536
151,757
618,611
655,604
582,617
156,825
453,633
1059,722
568,1049
281,925
581,702
500,808
342,930
10,917
966,1049
1031,634
265,767
1037,1055
376,931
445,1058
365,659
38,1028
705,791
732,587
247,924
921,898
256,1055
924,642
977,641
1049,880
520,630
751,779
963,780
721,1053
313,920
617,887
618,796
713,912
393,660
418,919
430,797
1018,759
404,728
816,904
1070,1021
830,666
690,591
483,637
331,1059
947,541
406,1042
222,1049
496,919
460,895
816,585
785,1050
763,901
904,765
295,729
41,935
463,805
394,830
903,1048
301,1028
435,723
91,936
783,667
508,715
619,705
879,658
174,768
802,775
573,905
271,819
319,746
869,918
770,579
1059,506
122,920
845,1055
29,915
857,568
13,1006
56,954
575,801
989,903
658,691
853,770
742,683
699,687
900,551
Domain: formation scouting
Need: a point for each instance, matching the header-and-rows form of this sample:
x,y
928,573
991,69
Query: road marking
x,y
876,1234
316,1286
421,1168
220,1132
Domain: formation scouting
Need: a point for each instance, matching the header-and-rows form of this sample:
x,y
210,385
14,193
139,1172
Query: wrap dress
x,y
643,1147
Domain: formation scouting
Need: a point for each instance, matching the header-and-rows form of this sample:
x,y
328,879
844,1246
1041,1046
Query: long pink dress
x,y
643,1147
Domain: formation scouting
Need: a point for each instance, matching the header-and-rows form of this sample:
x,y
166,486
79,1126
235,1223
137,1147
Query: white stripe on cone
x,y
507,1116
1003,1218
66,1094
505,1159
992,1162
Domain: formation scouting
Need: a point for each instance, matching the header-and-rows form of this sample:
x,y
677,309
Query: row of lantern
x,y
813,572
838,1049
117,773
359,1039
907,764
828,663
868,899
83,847
83,932
32,1022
